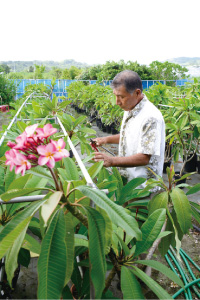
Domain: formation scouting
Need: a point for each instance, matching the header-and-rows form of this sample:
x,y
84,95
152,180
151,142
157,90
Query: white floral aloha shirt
x,y
143,131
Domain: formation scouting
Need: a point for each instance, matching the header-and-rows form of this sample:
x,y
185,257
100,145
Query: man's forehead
x,y
119,90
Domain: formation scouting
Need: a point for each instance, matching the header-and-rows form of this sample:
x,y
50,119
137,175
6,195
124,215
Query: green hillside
x,y
19,66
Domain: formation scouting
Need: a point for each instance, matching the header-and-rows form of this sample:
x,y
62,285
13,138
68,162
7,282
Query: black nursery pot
x,y
191,165
177,176
166,164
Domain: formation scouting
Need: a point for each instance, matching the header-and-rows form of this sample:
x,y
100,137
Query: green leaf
x,y
50,205
153,285
31,244
158,201
119,180
71,169
150,230
87,130
95,169
194,189
81,240
9,178
10,194
131,288
116,213
130,186
8,240
70,244
196,214
79,120
52,260
20,182
97,250
108,229
12,254
16,225
42,172
182,209
163,269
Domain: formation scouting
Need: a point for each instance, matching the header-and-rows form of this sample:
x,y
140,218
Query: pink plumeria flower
x,y
11,144
32,157
21,141
30,130
48,155
11,158
60,147
22,164
46,131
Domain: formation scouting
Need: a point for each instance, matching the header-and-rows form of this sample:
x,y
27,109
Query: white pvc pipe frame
x,y
78,159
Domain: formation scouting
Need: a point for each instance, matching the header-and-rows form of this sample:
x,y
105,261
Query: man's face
x,y
125,100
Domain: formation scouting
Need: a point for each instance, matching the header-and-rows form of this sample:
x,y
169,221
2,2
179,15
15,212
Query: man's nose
x,y
118,101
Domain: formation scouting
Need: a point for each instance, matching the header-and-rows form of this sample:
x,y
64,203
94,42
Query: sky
x,y
93,31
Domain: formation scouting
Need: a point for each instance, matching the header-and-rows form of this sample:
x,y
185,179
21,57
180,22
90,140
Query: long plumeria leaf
x,y
108,229
182,209
150,230
194,189
52,260
116,213
120,182
130,186
131,288
20,182
10,194
50,205
163,269
11,261
31,244
81,240
12,229
71,169
70,244
95,169
42,172
158,201
8,240
152,284
97,259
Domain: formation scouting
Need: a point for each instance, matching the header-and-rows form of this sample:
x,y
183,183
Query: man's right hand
x,y
100,141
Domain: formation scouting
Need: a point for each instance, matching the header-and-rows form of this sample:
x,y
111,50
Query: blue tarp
x,y
61,84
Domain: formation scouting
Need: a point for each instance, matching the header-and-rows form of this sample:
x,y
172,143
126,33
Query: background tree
x,y
31,69
74,72
39,72
4,68
167,71
7,90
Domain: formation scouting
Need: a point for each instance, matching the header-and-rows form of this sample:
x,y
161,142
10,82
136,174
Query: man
x,y
142,135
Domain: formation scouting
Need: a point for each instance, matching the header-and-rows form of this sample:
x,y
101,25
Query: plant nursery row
x,y
74,214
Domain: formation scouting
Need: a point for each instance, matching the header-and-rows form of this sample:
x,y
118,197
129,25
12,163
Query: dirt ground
x,y
27,283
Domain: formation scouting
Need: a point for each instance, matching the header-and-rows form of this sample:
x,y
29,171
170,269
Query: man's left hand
x,y
108,160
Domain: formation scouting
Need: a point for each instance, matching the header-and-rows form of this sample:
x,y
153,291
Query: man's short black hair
x,y
130,79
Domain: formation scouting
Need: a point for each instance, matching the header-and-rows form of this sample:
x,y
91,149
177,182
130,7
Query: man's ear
x,y
138,92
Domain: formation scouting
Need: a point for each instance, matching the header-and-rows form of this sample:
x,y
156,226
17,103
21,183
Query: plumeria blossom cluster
x,y
34,147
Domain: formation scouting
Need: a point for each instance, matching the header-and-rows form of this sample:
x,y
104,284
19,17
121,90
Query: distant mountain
x,y
19,66
191,63
186,61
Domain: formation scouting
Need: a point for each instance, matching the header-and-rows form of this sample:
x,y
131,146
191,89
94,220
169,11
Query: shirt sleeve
x,y
150,137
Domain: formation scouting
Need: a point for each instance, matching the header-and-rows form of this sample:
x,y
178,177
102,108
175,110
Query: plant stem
x,y
153,249
55,180
76,213
109,279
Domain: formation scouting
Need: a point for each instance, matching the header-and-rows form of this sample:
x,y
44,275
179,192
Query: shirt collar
x,y
137,108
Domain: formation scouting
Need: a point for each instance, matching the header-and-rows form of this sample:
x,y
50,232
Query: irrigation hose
x,y
186,287
183,274
186,274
